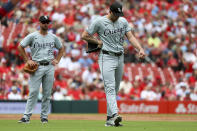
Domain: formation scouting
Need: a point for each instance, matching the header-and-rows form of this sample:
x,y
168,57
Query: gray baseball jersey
x,y
41,46
111,33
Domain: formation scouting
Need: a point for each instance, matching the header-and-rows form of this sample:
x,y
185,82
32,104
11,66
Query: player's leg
x,y
107,66
109,113
34,86
118,78
47,84
119,73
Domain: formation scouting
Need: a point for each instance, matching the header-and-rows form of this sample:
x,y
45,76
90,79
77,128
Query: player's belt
x,y
112,53
44,63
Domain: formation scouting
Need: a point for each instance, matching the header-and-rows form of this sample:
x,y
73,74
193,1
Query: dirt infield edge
x,y
127,117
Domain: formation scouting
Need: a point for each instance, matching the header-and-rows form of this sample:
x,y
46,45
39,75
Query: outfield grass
x,y
93,125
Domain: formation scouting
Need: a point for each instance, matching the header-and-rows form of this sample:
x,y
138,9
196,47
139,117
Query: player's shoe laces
x,y
114,121
23,120
44,120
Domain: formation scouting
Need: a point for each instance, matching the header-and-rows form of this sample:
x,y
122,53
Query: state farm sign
x,y
138,108
154,107
189,108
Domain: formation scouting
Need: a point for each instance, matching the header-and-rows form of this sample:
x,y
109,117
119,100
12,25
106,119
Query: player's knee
x,y
45,98
33,94
110,90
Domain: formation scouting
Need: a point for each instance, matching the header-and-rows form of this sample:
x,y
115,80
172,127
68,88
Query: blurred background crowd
x,y
167,29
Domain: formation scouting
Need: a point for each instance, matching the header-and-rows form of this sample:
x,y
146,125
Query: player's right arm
x,y
87,35
25,57
89,38
23,53
24,43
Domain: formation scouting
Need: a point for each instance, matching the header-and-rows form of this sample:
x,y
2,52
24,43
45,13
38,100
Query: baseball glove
x,y
92,47
30,69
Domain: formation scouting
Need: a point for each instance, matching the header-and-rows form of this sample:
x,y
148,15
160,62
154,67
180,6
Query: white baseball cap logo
x,y
46,17
119,9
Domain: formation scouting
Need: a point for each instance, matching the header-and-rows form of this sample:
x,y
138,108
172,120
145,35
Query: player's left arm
x,y
59,56
60,47
136,44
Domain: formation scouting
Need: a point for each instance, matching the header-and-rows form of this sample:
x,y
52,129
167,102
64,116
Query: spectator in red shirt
x,y
71,35
169,92
121,95
2,96
74,92
69,19
85,94
135,91
60,82
3,67
172,61
97,94
187,97
192,79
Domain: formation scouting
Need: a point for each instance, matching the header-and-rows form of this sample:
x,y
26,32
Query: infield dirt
x,y
126,117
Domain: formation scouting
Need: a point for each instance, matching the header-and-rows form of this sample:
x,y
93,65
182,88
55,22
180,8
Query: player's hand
x,y
141,53
54,62
32,63
100,43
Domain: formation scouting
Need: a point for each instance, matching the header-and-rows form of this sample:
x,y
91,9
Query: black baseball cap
x,y
44,19
116,8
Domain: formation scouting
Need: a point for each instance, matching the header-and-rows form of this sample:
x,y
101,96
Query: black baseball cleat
x,y
117,120
118,125
23,120
114,121
44,120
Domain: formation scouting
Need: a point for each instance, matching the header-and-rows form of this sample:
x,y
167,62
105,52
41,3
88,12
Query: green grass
x,y
86,125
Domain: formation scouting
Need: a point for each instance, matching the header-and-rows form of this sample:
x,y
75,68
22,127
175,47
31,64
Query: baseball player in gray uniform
x,y
41,44
111,30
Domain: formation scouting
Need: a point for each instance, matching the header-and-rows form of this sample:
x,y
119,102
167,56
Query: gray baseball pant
x,y
111,68
44,75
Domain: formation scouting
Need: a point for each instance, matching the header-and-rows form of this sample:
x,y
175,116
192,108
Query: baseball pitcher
x,y
111,30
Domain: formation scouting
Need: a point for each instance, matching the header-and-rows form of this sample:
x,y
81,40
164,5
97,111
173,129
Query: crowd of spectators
x,y
167,29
